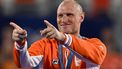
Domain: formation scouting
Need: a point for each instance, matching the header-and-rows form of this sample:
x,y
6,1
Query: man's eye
x,y
69,14
60,15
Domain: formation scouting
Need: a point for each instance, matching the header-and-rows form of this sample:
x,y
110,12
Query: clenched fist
x,y
52,32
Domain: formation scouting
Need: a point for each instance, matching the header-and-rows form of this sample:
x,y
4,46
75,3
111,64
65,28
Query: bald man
x,y
60,49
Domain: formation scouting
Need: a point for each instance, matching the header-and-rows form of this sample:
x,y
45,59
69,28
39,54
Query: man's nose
x,y
64,18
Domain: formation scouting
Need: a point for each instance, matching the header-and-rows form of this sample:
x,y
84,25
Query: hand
x,y
52,32
18,34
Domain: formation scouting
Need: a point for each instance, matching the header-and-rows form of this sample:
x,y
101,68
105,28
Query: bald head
x,y
71,3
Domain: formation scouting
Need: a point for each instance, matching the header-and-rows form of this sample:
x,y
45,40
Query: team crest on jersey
x,y
55,61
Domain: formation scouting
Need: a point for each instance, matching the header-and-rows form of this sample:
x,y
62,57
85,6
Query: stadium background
x,y
103,19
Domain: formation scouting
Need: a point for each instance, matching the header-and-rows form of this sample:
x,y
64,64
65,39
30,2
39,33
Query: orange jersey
x,y
44,53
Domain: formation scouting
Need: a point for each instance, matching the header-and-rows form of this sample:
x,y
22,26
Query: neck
x,y
76,34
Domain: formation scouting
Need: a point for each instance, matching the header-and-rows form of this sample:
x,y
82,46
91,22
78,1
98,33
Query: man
x,y
63,49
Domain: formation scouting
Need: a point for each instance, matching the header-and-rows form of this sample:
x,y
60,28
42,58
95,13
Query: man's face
x,y
69,19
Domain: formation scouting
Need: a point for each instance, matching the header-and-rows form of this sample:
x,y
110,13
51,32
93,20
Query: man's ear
x,y
82,17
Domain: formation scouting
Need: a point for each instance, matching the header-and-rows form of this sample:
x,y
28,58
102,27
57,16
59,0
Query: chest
x,y
51,58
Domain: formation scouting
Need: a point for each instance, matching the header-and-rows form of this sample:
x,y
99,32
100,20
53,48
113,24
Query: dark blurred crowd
x,y
102,20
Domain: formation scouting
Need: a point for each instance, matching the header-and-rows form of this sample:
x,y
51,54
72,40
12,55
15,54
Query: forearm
x,y
23,58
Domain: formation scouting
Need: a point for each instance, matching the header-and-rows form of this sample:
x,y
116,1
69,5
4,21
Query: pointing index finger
x,y
48,24
15,26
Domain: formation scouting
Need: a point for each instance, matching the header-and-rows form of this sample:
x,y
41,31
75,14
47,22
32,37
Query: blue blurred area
x,y
93,26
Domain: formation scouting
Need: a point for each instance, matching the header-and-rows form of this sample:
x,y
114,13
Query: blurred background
x,y
103,19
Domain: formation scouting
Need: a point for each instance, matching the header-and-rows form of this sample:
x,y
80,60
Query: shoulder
x,y
92,40
95,40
